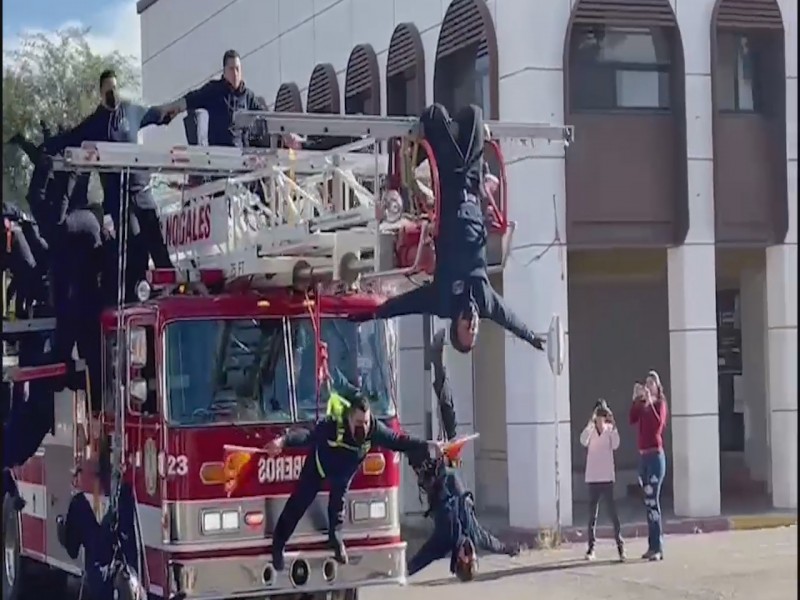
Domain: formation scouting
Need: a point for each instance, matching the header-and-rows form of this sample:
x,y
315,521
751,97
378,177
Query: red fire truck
x,y
225,351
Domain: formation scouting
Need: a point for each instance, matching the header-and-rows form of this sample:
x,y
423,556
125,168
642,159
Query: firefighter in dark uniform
x,y
460,290
25,256
457,531
110,547
441,386
118,120
339,444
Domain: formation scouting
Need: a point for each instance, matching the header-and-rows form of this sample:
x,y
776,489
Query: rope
x,y
321,348
119,392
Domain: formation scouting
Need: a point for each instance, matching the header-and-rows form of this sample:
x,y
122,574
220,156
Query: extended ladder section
x,y
384,128
282,217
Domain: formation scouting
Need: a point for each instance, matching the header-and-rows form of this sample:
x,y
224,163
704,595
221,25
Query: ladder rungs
x,y
383,128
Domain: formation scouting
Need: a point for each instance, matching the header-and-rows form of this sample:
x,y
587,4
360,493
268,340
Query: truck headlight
x,y
212,521
230,520
368,511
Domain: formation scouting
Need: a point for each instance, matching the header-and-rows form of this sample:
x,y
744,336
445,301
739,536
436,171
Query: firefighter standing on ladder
x,y
338,445
460,289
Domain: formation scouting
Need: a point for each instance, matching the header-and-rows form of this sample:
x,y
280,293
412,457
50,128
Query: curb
x,y
541,538
751,522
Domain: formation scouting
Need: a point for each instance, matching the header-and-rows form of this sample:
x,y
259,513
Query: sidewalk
x,y
736,516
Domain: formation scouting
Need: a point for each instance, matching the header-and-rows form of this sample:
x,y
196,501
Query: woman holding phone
x,y
649,415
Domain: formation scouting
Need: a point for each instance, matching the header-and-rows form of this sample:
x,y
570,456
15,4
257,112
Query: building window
x,y
401,90
463,79
620,68
357,103
736,76
482,94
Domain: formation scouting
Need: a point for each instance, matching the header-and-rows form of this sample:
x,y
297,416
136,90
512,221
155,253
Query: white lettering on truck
x,y
279,468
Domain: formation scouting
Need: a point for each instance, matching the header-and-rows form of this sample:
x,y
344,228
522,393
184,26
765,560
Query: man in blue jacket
x,y
118,120
460,289
220,98
338,445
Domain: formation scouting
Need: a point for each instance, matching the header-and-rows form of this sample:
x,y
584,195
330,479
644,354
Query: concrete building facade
x,y
665,237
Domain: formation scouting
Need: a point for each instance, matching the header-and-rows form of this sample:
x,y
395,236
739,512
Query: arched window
x,y
624,89
620,67
466,58
405,72
323,91
362,87
748,73
288,98
748,58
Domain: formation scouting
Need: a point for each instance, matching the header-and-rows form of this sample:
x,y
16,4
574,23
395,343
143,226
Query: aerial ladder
x,y
363,213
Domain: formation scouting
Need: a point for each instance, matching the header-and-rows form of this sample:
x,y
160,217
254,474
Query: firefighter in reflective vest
x,y
338,444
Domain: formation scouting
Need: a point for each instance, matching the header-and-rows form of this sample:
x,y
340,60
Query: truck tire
x,y
12,559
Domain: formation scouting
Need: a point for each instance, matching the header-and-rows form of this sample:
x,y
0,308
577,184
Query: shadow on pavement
x,y
527,570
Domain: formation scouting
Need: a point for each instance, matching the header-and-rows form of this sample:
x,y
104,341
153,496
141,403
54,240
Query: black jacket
x,y
120,125
340,462
221,101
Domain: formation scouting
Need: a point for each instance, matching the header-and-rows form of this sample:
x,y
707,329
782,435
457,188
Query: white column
x,y
694,386
782,372
691,271
753,308
782,305
413,387
531,89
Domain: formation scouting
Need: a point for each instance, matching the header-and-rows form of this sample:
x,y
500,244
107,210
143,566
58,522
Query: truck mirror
x,y
138,393
137,347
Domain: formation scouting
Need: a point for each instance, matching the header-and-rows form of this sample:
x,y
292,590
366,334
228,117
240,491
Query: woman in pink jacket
x,y
601,439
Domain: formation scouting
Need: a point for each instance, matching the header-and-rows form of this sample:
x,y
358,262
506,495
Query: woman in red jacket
x,y
649,414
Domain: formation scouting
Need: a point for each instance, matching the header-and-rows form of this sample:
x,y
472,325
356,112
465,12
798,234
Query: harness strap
x,y
340,430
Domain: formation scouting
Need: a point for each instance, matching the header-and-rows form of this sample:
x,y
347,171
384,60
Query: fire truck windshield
x,y
358,355
236,371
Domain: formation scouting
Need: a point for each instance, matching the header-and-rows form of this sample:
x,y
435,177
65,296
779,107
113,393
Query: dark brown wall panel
x,y
288,98
363,78
405,72
750,178
750,174
626,175
323,91
619,193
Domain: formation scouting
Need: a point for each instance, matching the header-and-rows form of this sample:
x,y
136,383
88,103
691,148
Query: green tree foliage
x,y
54,78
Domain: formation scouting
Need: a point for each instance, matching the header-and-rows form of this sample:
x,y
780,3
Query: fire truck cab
x,y
224,352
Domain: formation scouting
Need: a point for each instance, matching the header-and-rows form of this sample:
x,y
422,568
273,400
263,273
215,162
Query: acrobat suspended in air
x,y
460,289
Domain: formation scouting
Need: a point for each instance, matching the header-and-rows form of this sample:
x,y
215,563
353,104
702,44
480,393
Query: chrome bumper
x,y
251,576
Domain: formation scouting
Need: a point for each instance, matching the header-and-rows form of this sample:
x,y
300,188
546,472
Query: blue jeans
x,y
652,468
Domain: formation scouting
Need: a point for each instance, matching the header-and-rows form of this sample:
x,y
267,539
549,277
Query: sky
x,y
114,23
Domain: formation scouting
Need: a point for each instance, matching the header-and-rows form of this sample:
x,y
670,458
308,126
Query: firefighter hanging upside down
x,y
457,531
339,444
460,289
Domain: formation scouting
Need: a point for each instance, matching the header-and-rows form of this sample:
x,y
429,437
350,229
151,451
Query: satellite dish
x,y
556,345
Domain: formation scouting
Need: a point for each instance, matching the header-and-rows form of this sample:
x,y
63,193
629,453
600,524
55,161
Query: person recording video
x,y
601,439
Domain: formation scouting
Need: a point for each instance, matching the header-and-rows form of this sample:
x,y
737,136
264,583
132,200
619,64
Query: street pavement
x,y
737,565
